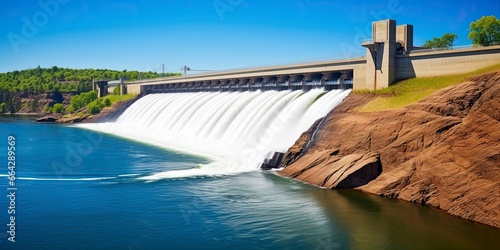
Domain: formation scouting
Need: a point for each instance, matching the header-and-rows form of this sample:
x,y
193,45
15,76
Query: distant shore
x,y
106,114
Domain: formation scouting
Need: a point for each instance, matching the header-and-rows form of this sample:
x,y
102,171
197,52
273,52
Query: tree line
x,y
64,79
18,86
483,32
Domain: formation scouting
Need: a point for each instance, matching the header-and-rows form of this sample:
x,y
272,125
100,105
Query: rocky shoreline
x,y
443,151
106,114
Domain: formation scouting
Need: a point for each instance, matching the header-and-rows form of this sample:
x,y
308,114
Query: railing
x,y
370,40
319,60
415,51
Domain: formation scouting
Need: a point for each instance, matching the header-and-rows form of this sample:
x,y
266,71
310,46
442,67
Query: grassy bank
x,y
120,98
412,90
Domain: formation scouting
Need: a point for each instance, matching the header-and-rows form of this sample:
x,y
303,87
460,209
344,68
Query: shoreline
x,y
106,114
26,114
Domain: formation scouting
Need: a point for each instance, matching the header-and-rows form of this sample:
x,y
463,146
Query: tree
x,y
3,107
76,102
70,110
107,102
94,108
446,41
485,31
116,90
57,108
79,101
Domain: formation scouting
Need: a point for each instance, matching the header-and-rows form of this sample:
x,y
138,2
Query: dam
x,y
252,113
390,56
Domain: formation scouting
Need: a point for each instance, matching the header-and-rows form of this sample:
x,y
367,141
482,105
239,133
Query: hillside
x,y
442,151
35,90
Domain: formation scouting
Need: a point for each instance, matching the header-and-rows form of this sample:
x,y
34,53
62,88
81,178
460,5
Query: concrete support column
x,y
380,55
341,80
102,88
122,86
303,81
289,82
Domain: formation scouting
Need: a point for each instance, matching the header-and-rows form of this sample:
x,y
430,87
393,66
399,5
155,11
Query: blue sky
x,y
211,34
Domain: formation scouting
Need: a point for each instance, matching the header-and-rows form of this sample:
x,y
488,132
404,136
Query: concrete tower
x,y
380,55
404,37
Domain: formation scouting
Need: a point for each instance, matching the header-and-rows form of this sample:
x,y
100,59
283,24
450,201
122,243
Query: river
x,y
80,189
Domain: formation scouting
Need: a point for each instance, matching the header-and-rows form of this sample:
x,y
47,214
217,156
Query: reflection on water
x,y
374,222
270,208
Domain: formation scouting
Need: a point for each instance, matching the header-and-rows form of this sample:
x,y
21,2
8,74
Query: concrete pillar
x,y
303,81
102,88
323,79
344,75
123,89
404,35
380,55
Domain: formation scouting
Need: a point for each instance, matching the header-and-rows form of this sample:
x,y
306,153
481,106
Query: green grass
x,y
412,90
119,98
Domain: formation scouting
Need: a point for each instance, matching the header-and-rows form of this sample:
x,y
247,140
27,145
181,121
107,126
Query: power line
x,y
185,69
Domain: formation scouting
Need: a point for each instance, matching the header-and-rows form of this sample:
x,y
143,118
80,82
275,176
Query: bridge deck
x,y
334,74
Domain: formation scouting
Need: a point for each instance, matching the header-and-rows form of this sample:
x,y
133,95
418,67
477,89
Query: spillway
x,y
235,130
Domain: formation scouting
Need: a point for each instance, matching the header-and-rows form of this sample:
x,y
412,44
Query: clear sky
x,y
211,34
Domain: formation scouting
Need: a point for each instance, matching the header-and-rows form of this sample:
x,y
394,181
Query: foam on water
x,y
66,179
235,130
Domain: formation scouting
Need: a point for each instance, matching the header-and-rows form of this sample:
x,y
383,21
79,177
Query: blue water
x,y
79,189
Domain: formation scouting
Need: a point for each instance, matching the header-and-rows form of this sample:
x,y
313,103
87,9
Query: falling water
x,y
236,130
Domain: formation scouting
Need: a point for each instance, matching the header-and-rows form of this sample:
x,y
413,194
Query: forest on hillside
x,y
19,89
65,79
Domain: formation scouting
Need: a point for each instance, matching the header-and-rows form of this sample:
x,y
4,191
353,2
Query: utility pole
x,y
185,69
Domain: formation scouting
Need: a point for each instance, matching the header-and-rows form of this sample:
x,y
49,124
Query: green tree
x,y
76,102
79,101
116,90
99,103
70,109
94,108
107,102
57,108
485,31
3,107
446,41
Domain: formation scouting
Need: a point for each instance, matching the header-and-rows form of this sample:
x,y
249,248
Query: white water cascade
x,y
235,130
